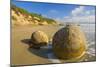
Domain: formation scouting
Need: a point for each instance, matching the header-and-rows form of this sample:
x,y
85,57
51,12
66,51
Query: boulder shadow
x,y
41,52
26,41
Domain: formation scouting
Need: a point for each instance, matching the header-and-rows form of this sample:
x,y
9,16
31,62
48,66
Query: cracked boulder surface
x,y
69,42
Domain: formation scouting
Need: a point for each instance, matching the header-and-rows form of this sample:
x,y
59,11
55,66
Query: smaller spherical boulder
x,y
69,42
38,39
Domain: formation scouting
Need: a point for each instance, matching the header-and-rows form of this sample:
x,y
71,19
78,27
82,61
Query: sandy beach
x,y
20,52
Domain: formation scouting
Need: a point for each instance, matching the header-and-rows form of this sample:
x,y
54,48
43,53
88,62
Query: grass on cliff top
x,y
25,12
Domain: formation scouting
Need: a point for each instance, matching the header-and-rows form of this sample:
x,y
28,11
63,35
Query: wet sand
x,y
21,54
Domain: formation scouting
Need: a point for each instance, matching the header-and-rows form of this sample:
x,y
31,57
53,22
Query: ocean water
x,y
90,33
89,30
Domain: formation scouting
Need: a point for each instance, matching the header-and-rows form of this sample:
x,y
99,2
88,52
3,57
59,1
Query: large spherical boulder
x,y
38,39
69,42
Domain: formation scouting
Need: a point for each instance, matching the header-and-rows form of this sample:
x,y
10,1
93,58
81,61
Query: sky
x,y
60,12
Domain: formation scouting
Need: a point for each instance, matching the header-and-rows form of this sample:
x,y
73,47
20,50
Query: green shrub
x,y
25,12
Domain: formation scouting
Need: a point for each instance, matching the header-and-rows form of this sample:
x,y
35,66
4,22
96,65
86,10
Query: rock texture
x,y
69,42
39,39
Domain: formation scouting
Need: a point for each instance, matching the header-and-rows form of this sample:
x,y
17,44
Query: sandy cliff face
x,y
19,18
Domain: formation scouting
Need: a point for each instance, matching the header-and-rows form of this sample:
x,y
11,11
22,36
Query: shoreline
x,y
21,54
